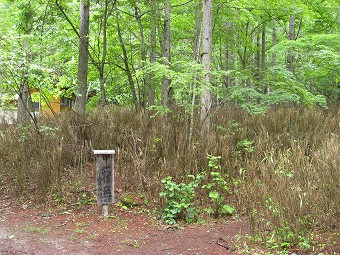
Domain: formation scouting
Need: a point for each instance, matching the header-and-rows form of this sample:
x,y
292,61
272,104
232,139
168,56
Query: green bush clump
x,y
180,199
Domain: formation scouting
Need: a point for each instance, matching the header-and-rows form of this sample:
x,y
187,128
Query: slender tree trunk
x,y
196,58
257,58
126,63
80,104
102,66
166,52
263,55
23,102
23,92
230,58
25,112
274,40
243,53
142,99
24,99
102,88
263,48
291,36
206,94
198,32
153,42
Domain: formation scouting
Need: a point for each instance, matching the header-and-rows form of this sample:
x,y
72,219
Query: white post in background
x,y
105,178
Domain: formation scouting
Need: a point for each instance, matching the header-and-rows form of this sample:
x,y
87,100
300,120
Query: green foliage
x,y
85,199
185,76
245,145
218,189
318,68
284,238
30,45
58,198
158,110
257,103
30,50
180,204
213,161
233,127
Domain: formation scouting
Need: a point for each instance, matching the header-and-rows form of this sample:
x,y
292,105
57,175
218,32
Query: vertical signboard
x,y
105,176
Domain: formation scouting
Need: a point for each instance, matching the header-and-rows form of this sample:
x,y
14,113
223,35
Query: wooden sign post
x,y
105,178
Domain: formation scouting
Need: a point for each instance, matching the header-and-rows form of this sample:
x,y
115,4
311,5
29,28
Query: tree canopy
x,y
263,52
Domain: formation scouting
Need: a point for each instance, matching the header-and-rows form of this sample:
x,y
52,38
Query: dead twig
x,y
223,243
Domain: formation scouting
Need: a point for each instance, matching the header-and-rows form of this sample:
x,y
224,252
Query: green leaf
x,y
227,209
213,194
209,210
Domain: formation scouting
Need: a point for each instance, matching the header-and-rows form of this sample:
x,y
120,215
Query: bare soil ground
x,y
31,229
34,230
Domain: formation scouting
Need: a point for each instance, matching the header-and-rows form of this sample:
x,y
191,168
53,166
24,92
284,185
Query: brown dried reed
x,y
291,178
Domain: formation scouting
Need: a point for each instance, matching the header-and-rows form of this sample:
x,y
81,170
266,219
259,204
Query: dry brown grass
x,y
289,181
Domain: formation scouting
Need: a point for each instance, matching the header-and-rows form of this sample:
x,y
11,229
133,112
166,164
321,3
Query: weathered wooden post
x,y
105,178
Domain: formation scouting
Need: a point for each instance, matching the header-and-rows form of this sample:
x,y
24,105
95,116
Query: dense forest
x,y
216,109
154,54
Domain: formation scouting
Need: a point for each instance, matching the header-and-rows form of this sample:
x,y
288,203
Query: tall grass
x,y
283,166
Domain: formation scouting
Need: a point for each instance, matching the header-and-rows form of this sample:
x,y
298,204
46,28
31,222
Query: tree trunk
x,y
291,36
23,116
196,58
80,104
230,58
257,58
166,52
126,63
198,32
263,48
153,42
102,65
263,55
206,94
142,99
242,53
25,108
102,88
274,39
23,102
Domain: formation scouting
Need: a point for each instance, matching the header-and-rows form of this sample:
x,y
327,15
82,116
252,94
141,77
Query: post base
x,y
105,210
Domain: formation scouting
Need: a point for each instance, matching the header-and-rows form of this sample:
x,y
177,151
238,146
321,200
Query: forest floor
x,y
30,229
36,229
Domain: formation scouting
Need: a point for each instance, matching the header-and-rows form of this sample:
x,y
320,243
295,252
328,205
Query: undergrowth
x,y
281,169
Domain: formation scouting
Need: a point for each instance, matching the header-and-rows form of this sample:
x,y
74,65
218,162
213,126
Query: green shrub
x,y
180,199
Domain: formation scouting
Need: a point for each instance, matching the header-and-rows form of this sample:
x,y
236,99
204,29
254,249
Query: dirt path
x,y
84,231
